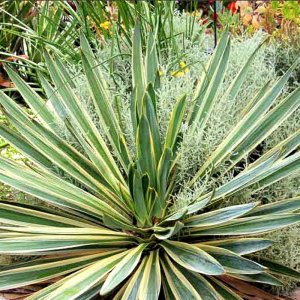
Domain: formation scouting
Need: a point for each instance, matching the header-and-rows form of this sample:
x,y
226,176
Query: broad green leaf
x,y
100,96
207,75
163,170
85,279
192,258
151,280
13,109
205,103
24,146
223,290
149,111
175,123
123,269
245,178
269,123
145,150
92,292
242,246
219,216
53,99
41,270
167,289
283,206
139,198
81,118
198,205
280,269
138,71
201,285
179,286
151,59
33,244
261,278
284,148
54,189
231,262
163,233
244,127
132,288
72,231
43,293
281,169
20,216
36,103
250,225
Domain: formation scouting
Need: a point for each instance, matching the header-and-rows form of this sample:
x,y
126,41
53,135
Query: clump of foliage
x,y
28,26
119,227
280,19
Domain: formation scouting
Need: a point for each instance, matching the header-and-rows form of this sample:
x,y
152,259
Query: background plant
x,y
28,26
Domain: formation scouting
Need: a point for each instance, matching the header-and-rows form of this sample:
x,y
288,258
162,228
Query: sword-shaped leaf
x,y
175,123
219,216
261,278
81,118
41,270
33,244
244,127
192,258
268,124
100,96
132,288
20,216
283,206
224,290
86,278
151,281
250,225
242,246
145,150
35,102
123,269
232,262
179,286
207,76
201,285
204,103
280,269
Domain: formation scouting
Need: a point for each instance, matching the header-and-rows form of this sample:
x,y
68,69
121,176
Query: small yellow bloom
x,y
160,73
183,67
105,25
182,64
196,13
177,74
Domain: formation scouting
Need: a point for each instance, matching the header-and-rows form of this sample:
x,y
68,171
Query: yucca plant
x,y
111,227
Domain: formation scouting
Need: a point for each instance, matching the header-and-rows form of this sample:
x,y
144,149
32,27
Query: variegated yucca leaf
x,y
109,226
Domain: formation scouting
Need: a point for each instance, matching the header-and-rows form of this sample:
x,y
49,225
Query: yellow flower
x,y
160,73
105,25
183,67
177,74
182,64
196,13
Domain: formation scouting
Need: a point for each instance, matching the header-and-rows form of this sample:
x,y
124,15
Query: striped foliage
x,y
108,228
